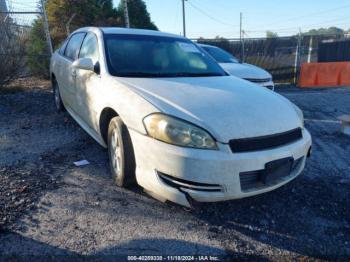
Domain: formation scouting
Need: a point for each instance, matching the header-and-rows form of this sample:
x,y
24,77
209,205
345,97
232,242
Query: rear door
x,y
57,67
68,72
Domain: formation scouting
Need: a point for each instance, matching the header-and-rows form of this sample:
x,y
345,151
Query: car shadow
x,y
300,217
307,216
16,247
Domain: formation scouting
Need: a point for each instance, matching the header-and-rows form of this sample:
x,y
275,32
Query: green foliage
x,y
81,13
270,34
65,16
326,31
138,15
37,50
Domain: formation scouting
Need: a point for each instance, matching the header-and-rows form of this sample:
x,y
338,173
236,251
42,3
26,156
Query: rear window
x,y
63,47
72,49
220,55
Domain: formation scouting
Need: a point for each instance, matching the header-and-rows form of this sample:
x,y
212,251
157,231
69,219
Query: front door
x,y
88,82
68,84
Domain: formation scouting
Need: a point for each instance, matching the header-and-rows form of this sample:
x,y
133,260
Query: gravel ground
x,y
49,207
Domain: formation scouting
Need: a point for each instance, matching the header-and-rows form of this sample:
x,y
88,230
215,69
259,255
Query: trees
x,y
326,31
65,16
37,51
270,34
138,15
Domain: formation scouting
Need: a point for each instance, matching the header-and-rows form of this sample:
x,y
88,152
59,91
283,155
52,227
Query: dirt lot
x,y
50,207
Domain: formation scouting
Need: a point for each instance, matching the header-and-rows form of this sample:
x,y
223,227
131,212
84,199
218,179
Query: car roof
x,y
131,31
205,45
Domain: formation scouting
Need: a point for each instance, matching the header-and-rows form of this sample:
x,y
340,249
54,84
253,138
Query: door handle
x,y
74,74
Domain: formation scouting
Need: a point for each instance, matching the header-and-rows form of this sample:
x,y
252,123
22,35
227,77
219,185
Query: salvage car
x,y
173,120
234,67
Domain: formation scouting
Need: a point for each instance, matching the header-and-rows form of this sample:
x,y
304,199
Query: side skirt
x,y
88,130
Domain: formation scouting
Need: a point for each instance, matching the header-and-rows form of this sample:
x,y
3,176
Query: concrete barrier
x,y
324,74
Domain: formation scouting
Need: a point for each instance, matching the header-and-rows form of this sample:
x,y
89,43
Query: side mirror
x,y
84,63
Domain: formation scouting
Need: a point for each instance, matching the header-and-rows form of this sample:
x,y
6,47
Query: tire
x,y
57,97
121,153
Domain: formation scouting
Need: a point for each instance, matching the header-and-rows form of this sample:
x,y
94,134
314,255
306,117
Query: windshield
x,y
154,56
220,55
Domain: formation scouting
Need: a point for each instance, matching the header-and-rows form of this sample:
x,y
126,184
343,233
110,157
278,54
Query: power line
x,y
176,14
308,15
278,21
209,16
20,12
308,25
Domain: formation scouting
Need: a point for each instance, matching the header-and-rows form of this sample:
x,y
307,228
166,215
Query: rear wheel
x,y
121,153
57,97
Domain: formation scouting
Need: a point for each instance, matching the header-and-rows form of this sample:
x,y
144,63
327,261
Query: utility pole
x,y
240,26
46,27
183,18
126,14
241,35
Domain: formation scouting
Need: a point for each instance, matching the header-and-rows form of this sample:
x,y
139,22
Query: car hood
x,y
227,107
245,71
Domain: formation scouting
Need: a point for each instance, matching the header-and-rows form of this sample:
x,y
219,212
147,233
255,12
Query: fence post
x,y
297,58
46,27
310,50
243,48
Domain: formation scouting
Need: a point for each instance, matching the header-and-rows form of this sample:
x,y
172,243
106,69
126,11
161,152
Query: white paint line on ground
x,y
324,121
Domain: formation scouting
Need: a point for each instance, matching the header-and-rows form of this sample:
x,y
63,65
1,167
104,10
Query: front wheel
x,y
121,153
57,97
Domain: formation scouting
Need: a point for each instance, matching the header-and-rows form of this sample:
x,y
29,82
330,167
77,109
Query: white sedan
x,y
245,71
173,121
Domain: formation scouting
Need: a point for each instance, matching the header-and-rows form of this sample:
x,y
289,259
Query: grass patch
x,y
25,84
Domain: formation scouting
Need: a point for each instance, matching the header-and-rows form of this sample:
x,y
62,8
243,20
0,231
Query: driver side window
x,y
89,48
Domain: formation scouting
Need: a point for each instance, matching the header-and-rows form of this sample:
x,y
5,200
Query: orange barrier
x,y
325,74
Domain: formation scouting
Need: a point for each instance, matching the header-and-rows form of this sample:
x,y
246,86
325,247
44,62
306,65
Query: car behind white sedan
x,y
234,67
173,121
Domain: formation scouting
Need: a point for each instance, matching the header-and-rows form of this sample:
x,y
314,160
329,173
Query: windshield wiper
x,y
139,74
186,74
155,75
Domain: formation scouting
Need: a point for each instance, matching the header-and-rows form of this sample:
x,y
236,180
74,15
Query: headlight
x,y
300,114
177,132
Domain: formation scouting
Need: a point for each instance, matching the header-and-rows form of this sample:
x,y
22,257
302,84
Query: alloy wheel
x,y
115,152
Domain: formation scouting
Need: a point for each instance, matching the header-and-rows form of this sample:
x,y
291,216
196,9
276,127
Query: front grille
x,y
265,142
252,180
254,80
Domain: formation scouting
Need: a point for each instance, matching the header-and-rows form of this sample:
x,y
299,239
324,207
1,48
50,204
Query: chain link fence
x,y
21,34
281,56
24,50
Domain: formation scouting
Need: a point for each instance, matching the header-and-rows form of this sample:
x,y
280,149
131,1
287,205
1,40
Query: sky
x,y
210,18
